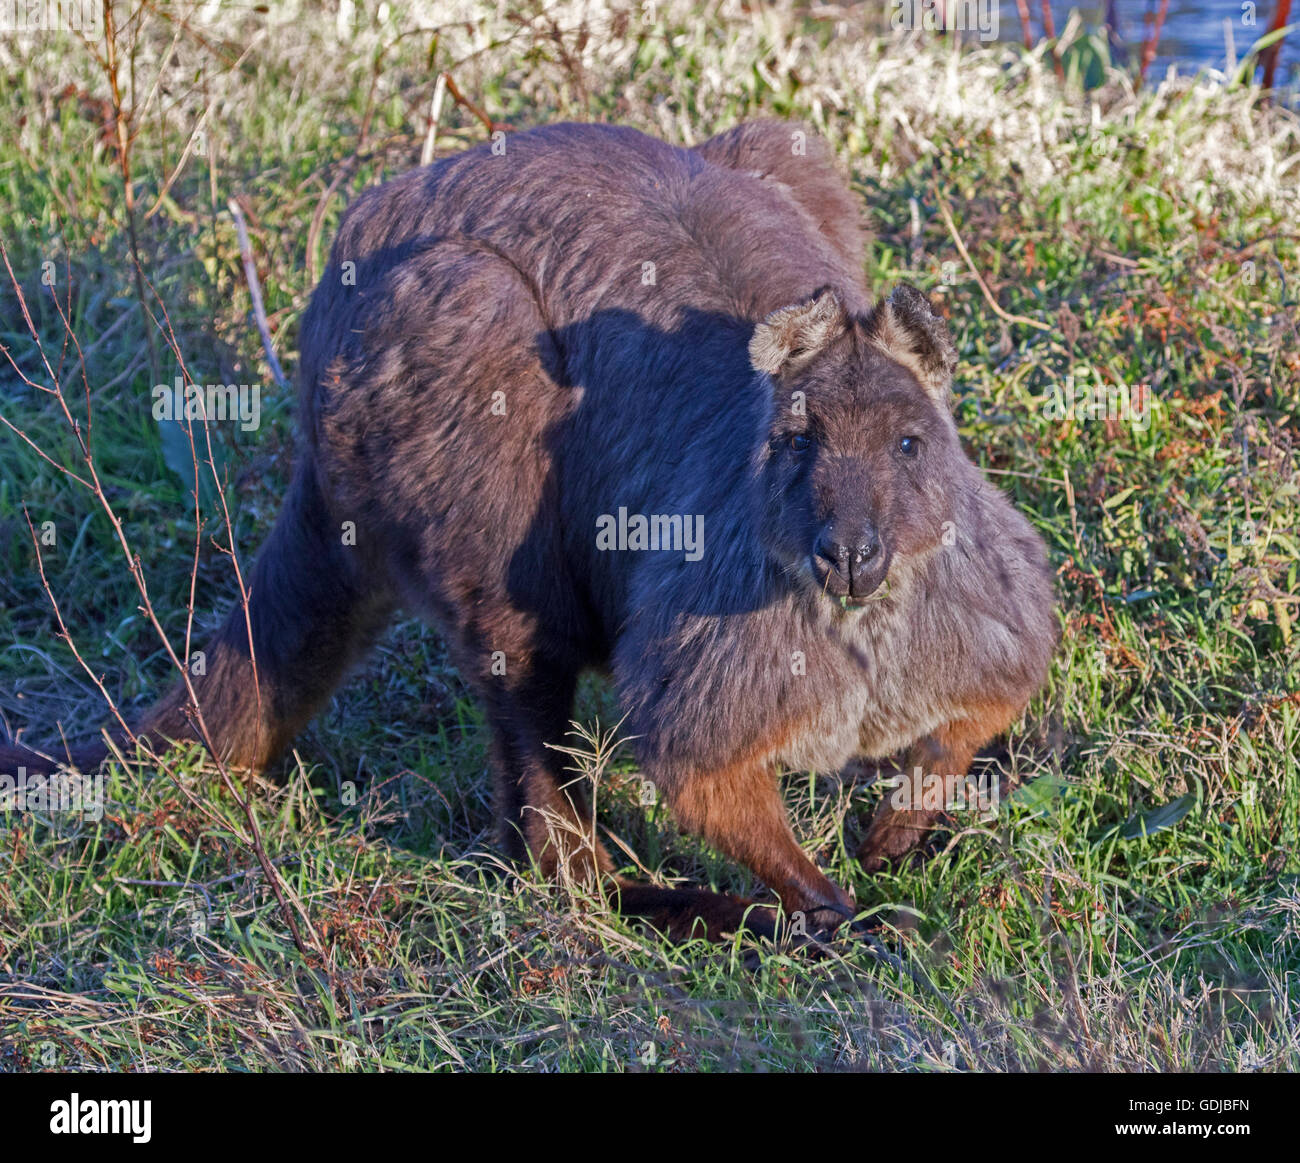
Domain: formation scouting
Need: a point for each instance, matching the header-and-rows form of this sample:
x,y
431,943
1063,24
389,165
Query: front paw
x,y
892,835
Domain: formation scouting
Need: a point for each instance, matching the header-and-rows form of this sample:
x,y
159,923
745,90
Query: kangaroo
x,y
526,375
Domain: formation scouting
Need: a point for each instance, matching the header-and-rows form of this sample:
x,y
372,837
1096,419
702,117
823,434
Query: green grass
x,y
1134,906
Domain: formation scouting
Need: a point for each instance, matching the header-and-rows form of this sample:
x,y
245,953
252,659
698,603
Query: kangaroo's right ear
x,y
792,337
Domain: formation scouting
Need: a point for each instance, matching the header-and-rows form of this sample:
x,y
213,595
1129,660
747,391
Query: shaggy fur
x,y
506,348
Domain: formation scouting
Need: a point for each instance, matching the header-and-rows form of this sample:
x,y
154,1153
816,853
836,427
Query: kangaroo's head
x,y
860,461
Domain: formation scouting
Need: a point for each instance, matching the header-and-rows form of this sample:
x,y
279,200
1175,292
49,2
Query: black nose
x,y
852,559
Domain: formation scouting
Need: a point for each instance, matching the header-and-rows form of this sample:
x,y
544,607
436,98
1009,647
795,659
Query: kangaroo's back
x,y
536,338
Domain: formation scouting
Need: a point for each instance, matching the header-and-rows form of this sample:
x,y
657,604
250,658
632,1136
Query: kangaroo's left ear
x,y
908,330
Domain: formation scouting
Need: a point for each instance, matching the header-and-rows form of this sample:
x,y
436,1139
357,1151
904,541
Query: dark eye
x,y
909,445
800,443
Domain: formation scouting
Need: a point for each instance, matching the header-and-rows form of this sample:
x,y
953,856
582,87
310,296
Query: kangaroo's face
x,y
861,460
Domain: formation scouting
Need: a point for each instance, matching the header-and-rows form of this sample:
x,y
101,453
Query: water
x,y
1194,36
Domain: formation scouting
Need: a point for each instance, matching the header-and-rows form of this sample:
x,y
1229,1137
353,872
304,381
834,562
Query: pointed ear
x,y
792,337
908,330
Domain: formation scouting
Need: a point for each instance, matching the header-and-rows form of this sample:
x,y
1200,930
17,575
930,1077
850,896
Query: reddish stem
x,y
1269,59
1152,41
1049,30
1022,7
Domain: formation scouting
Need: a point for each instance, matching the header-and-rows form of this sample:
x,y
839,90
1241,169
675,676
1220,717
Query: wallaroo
x,y
510,345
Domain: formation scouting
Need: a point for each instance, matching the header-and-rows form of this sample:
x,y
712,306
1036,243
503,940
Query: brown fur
x,y
860,588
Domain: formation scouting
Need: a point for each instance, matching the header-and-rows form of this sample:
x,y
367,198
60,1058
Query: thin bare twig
x,y
63,630
193,709
1049,30
983,286
124,141
195,134
465,103
255,293
435,112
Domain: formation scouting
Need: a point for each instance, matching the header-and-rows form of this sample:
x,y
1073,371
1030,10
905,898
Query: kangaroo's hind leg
x,y
316,603
314,606
543,813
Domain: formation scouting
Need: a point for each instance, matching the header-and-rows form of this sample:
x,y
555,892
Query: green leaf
x,y
1085,62
1038,795
1157,819
181,459
1251,60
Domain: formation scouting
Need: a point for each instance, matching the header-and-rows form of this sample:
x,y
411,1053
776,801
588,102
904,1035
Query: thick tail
x,y
315,604
683,913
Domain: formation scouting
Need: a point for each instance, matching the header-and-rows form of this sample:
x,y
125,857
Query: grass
x,y
1135,905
